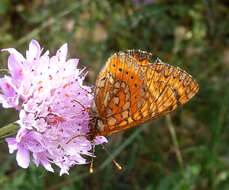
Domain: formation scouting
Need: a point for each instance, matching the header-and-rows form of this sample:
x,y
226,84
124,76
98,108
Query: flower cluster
x,y
51,99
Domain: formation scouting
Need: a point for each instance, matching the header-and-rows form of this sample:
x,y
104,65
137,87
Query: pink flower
x,y
47,91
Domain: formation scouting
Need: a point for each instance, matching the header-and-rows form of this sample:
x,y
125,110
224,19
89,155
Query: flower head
x,y
46,91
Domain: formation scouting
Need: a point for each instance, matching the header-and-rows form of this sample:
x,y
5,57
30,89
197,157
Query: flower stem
x,y
8,129
174,139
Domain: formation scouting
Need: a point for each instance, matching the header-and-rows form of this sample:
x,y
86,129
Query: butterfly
x,y
131,89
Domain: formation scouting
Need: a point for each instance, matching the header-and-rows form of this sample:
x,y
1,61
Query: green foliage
x,y
190,34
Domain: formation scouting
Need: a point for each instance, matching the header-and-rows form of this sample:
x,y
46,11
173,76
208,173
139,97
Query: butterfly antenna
x,y
114,162
92,161
84,108
85,135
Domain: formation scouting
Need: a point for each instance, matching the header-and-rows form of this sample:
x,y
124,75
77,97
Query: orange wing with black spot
x,y
130,90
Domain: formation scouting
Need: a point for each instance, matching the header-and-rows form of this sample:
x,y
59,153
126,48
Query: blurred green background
x,y
193,35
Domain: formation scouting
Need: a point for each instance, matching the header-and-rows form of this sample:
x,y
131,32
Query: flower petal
x,y
12,144
62,53
17,55
9,102
15,67
64,170
20,134
6,86
23,157
34,51
100,140
9,99
42,158
47,165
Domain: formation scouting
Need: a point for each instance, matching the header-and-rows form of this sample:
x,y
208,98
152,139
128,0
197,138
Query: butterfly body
x,y
131,90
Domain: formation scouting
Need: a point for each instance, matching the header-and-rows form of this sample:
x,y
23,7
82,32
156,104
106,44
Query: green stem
x,y
174,139
8,129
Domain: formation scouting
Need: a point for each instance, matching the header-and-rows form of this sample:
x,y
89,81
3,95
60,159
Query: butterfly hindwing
x,y
130,90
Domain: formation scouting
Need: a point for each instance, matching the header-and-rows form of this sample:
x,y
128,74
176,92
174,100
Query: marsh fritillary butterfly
x,y
131,90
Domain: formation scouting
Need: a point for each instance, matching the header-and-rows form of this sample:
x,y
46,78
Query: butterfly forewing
x,y
131,90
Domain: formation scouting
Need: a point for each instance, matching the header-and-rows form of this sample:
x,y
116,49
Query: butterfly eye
x,y
120,69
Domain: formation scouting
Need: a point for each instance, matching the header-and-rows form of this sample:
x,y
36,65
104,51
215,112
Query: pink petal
x,y
23,157
71,65
100,140
46,53
9,99
41,158
47,165
62,53
5,85
36,159
26,120
15,67
17,55
9,102
20,134
73,61
12,144
64,170
34,50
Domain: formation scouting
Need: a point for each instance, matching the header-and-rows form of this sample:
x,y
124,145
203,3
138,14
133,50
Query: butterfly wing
x,y
130,90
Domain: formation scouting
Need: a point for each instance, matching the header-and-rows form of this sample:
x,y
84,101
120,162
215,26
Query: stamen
x,y
66,85
67,95
7,85
39,89
50,77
